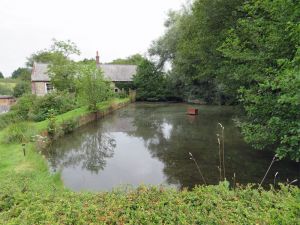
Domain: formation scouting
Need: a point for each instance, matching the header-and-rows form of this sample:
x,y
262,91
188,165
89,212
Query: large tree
x,y
22,74
62,69
191,43
1,75
264,56
91,85
150,82
241,51
57,53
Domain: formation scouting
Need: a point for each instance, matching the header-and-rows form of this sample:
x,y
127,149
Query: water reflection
x,y
149,143
88,149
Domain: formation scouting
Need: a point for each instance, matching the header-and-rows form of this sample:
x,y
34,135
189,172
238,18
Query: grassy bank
x,y
29,194
14,164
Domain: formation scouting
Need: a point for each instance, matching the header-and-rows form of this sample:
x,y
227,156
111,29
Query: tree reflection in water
x,y
88,148
168,134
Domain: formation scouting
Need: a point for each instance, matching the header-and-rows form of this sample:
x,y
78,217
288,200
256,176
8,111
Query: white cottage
x,y
41,85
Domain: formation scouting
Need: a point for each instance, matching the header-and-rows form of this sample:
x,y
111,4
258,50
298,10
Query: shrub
x,y
122,94
22,87
92,86
5,90
150,82
18,112
51,128
23,106
9,118
20,204
68,126
60,102
18,133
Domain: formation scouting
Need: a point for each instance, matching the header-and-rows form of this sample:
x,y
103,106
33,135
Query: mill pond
x,y
149,143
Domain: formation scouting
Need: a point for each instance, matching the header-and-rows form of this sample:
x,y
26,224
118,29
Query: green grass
x,y
9,83
29,194
76,113
11,155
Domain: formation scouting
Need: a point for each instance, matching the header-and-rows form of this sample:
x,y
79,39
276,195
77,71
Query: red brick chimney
x,y
97,58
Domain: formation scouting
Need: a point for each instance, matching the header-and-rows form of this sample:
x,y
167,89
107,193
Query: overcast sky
x,y
117,28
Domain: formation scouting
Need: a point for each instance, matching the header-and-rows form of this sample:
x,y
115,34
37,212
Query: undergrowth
x,y
26,204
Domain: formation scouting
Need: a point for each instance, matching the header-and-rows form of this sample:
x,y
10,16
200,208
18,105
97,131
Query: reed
x,y
275,176
198,168
272,162
221,142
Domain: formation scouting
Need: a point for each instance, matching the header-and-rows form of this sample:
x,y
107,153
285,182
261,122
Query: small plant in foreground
x,y
198,168
221,153
68,126
52,127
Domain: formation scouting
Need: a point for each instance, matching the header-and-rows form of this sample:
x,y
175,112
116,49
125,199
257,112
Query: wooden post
x,y
24,150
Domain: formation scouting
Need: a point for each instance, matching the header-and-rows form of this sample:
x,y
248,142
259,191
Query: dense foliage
x,y
191,43
156,205
1,75
92,87
34,108
150,82
241,52
22,87
59,102
21,73
4,90
264,56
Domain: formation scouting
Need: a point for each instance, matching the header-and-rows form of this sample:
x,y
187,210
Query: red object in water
x,y
192,111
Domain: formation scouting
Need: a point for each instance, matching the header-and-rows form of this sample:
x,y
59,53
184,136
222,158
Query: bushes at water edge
x,y
20,203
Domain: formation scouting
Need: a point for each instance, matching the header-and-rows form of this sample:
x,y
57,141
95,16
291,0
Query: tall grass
x,y
221,143
18,133
198,168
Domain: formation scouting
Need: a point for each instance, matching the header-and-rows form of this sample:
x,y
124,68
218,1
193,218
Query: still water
x,y
148,143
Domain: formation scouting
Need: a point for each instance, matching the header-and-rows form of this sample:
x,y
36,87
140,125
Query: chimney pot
x,y
97,58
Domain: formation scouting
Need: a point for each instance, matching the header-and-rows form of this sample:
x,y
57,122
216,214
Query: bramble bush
x,y
21,203
33,108
60,102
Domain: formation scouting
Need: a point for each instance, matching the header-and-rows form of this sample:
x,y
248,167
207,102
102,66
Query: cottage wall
x,y
39,88
7,101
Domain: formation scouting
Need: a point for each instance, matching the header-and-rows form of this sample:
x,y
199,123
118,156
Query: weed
x,y
198,168
18,133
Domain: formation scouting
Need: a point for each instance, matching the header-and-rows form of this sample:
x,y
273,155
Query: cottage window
x,y
49,87
116,90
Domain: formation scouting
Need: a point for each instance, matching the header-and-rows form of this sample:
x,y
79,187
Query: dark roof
x,y
40,72
111,72
118,72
